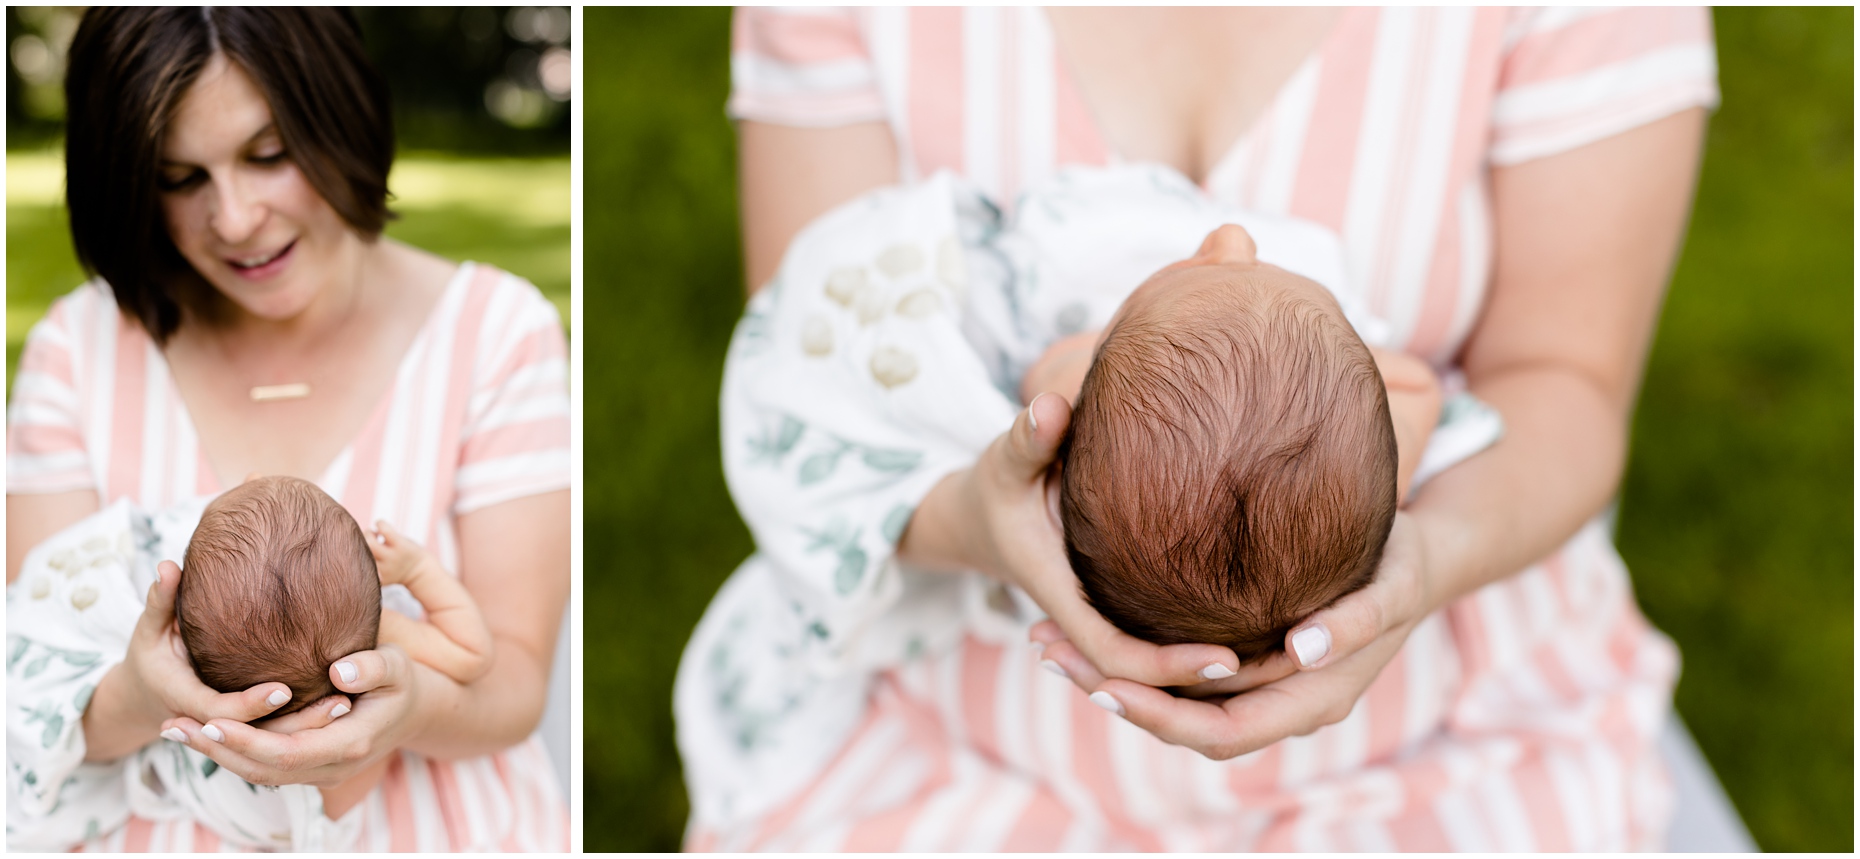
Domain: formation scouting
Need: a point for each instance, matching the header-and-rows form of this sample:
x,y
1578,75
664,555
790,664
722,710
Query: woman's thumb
x,y
160,608
1034,440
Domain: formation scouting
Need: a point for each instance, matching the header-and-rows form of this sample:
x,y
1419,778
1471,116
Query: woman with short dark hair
x,y
227,182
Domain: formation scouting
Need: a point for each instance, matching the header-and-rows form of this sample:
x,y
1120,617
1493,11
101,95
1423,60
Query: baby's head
x,y
277,584
1230,467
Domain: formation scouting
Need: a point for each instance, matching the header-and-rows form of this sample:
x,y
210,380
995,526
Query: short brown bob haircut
x,y
277,584
130,67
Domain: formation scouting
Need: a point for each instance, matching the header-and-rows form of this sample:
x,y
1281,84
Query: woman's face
x,y
237,206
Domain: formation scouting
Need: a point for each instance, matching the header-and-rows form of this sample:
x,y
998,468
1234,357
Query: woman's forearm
x,y
514,561
937,537
113,725
495,712
1556,468
1584,243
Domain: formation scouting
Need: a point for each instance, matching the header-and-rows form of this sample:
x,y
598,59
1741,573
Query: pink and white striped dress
x,y
1522,717
478,414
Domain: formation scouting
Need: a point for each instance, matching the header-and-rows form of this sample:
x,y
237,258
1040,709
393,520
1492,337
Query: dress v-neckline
x,y
1067,83
376,415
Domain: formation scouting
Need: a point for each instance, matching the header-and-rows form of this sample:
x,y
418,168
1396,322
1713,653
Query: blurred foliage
x,y
1737,513
479,79
512,213
662,284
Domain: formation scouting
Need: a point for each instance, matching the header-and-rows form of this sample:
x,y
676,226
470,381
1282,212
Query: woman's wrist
x,y
938,535
1443,542
435,698
494,712
117,720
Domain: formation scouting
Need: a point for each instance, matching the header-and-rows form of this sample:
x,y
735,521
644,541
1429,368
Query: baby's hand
x,y
398,559
395,555
453,639
1414,407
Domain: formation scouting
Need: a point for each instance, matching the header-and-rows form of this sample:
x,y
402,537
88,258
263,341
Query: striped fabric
x,y
1522,717
478,414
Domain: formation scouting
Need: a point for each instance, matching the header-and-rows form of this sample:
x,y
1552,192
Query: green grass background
x,y
510,212
1736,516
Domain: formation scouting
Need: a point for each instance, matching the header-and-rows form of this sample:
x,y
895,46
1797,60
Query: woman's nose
x,y
236,214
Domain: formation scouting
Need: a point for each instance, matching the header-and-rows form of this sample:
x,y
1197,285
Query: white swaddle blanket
x,y
70,615
886,354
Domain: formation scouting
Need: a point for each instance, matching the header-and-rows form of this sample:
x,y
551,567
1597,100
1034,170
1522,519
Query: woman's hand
x,y
1000,517
325,744
1329,661
156,682
1061,368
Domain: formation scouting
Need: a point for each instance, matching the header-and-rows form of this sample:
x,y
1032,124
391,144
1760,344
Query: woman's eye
x,y
270,157
179,182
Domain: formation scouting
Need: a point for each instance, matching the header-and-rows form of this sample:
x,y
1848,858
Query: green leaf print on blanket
x,y
900,461
821,465
895,522
73,658
46,712
775,442
845,544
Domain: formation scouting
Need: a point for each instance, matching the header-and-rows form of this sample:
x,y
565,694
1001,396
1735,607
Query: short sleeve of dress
x,y
805,67
515,441
45,449
1572,76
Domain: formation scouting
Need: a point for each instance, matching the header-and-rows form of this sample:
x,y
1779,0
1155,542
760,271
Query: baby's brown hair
x,y
277,583
1229,469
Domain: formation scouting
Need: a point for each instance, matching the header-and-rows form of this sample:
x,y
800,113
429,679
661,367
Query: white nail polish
x,y
1055,667
1311,645
175,734
1106,702
1038,647
1031,420
346,670
214,734
1216,671
338,710
277,698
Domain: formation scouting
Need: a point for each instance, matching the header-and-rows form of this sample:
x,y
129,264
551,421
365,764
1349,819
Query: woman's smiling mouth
x,y
260,267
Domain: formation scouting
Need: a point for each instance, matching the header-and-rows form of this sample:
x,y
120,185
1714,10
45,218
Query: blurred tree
x,y
476,79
